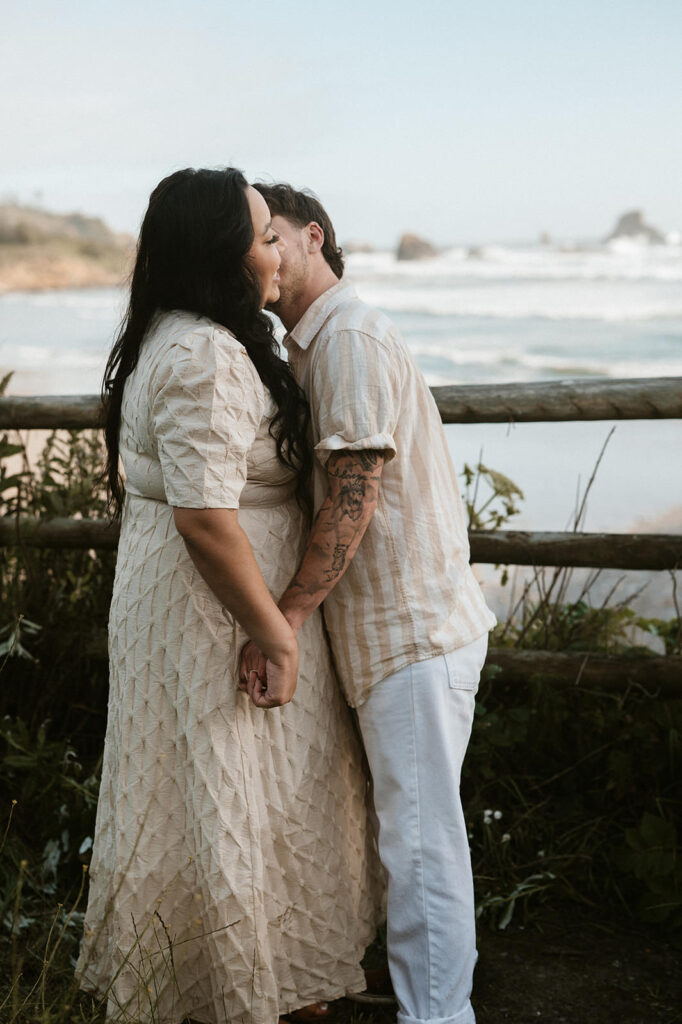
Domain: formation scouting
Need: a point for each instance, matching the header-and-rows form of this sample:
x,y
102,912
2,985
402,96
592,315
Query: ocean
x,y
485,315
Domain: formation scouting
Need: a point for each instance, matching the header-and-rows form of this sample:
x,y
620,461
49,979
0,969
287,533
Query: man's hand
x,y
270,683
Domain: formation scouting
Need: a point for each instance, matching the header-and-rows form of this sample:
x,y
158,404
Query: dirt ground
x,y
567,966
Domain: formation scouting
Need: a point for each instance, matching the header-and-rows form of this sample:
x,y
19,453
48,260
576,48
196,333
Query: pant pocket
x,y
466,664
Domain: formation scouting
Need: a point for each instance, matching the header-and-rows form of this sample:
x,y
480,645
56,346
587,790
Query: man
x,y
389,556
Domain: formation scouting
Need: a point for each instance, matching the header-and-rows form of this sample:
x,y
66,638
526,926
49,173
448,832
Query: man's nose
x,y
281,244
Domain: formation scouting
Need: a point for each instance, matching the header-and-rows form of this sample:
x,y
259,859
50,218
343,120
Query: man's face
x,y
295,265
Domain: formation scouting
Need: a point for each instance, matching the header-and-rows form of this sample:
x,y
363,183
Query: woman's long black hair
x,y
191,256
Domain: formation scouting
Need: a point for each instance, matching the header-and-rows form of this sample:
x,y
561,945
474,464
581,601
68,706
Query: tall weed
x,y
567,789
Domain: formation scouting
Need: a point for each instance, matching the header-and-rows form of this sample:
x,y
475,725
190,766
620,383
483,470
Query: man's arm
x,y
338,528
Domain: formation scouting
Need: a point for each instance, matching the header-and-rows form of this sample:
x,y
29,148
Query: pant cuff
x,y
465,1016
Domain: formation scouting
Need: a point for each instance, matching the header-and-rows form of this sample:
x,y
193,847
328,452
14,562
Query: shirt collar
x,y
308,327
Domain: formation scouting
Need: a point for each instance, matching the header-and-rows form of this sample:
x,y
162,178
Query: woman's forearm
x,y
223,555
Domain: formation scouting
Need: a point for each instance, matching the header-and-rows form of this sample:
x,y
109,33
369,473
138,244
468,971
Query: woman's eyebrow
x,y
267,227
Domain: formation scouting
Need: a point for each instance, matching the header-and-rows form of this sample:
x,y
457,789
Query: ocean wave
x,y
580,366
494,262
448,363
462,356
513,303
68,298
22,357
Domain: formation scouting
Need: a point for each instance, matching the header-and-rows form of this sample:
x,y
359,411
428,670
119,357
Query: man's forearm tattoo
x,y
357,474
338,562
369,459
351,496
352,464
340,522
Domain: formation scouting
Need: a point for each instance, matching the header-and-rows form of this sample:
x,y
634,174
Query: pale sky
x,y
464,121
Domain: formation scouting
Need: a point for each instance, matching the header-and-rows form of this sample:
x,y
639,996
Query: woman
x,y
233,874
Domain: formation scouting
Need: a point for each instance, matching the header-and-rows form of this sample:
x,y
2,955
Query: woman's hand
x,y
251,660
269,682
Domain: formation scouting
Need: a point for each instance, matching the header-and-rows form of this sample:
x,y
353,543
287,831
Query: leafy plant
x,y
573,775
496,505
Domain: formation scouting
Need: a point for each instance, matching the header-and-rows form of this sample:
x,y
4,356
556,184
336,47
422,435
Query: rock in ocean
x,y
633,225
412,247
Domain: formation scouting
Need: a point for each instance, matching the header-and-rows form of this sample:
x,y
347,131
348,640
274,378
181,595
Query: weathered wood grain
x,y
576,399
589,550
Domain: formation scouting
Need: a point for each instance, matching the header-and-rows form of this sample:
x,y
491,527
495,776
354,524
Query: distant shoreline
x,y
43,251
41,273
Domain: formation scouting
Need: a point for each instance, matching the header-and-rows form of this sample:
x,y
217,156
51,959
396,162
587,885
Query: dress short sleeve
x,y
206,410
355,395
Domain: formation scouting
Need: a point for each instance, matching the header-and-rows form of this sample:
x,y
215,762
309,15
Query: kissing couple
x,y
293,616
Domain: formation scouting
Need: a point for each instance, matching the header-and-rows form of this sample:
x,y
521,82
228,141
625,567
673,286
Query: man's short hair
x,y
302,207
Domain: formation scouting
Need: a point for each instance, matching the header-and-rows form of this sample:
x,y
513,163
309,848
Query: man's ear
x,y
315,236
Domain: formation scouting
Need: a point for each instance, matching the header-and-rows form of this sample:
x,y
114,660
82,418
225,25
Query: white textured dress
x,y
234,875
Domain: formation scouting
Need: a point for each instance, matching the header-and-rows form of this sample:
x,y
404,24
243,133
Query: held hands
x,y
269,682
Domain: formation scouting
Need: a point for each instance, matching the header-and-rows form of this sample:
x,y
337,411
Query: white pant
x,y
416,726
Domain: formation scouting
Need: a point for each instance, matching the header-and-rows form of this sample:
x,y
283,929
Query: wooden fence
x,y
652,398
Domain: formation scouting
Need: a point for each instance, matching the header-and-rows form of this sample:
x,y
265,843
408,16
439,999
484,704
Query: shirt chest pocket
x,y
466,664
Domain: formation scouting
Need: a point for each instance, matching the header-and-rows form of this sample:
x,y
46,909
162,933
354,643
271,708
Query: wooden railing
x,y
651,398
647,398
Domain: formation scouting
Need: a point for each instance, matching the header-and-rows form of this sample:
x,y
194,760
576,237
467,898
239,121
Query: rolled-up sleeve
x,y
355,395
206,411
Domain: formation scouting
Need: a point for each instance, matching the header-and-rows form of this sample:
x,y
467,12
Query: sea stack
x,y
412,247
633,225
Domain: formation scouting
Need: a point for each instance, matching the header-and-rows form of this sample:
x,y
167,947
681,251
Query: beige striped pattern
x,y
409,593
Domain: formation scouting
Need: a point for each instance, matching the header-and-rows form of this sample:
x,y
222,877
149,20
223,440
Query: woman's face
x,y
265,254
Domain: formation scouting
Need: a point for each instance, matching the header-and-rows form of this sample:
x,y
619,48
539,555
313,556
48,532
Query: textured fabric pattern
x,y
409,593
234,875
